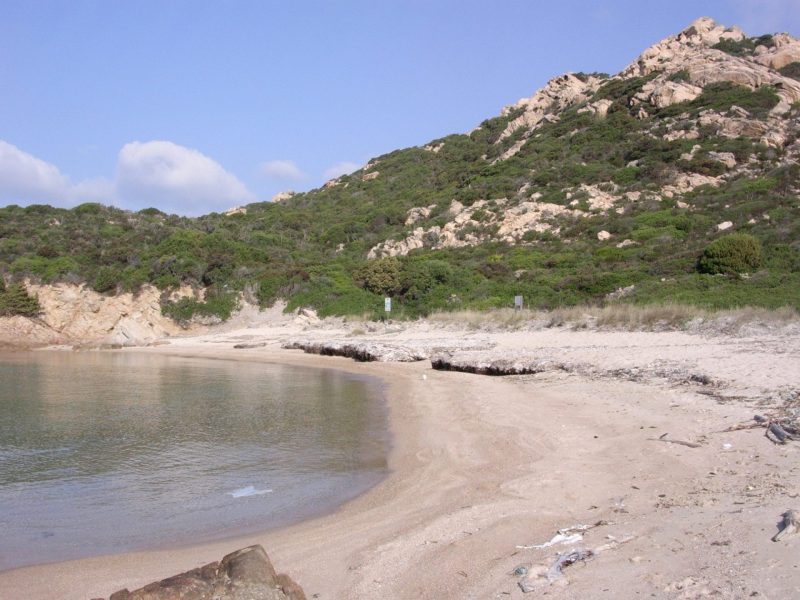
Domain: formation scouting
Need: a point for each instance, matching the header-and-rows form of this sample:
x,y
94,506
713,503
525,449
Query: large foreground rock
x,y
246,574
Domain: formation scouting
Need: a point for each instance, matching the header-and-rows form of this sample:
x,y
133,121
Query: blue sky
x,y
200,106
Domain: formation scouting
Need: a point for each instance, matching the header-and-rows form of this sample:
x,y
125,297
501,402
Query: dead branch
x,y
664,438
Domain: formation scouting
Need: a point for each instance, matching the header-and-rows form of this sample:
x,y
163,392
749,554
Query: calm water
x,y
106,452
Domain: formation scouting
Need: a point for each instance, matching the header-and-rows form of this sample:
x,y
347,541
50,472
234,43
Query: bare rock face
x,y
785,51
559,94
692,52
672,92
78,314
281,196
246,574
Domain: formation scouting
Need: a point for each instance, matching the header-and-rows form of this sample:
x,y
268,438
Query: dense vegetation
x,y
311,249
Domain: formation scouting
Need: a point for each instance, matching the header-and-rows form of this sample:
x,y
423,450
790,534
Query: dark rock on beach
x,y
385,351
246,574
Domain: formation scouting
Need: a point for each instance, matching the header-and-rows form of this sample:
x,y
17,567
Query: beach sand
x,y
483,468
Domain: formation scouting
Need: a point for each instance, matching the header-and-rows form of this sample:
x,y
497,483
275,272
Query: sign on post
x,y
518,302
387,305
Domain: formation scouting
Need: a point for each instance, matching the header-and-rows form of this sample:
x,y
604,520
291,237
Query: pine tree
x,y
16,300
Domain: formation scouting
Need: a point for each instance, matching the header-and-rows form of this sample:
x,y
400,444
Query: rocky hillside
x,y
675,180
697,72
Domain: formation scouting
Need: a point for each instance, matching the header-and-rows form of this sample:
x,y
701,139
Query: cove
x,y
104,452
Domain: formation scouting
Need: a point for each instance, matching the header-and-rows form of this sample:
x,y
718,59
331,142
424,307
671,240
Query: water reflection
x,y
106,452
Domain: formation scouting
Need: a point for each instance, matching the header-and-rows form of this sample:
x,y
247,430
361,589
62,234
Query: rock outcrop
x,y
507,225
246,574
559,94
281,196
380,351
692,54
77,314
528,362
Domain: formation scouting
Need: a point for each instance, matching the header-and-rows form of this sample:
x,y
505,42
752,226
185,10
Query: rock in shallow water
x,y
246,574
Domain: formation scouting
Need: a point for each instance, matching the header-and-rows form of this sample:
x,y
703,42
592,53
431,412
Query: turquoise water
x,y
109,452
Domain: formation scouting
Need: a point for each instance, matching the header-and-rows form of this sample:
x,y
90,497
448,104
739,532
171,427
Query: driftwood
x,y
789,525
664,438
741,427
245,346
779,433
543,576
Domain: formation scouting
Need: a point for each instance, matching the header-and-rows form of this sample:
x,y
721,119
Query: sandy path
x,y
482,465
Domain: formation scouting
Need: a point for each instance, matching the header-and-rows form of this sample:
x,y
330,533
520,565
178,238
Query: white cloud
x,y
281,169
23,177
339,169
175,178
98,189
163,174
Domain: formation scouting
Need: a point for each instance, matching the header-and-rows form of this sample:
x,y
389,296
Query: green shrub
x,y
106,280
219,304
791,70
47,269
380,276
625,176
731,254
741,47
15,300
679,76
721,96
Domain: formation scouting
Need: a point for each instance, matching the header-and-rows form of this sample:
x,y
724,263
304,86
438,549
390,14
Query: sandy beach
x,y
485,468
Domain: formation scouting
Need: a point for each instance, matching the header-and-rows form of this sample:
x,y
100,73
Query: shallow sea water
x,y
109,452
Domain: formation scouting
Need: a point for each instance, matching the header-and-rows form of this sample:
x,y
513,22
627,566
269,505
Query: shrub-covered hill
x,y
596,189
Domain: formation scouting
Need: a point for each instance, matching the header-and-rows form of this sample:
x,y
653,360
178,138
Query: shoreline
x,y
481,466
27,580
372,458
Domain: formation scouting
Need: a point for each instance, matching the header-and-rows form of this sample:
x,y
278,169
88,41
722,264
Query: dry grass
x,y
501,318
628,317
658,316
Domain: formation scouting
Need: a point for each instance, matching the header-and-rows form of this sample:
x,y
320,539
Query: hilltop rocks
x,y
679,68
671,92
281,196
701,34
246,574
559,94
692,54
599,108
785,51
